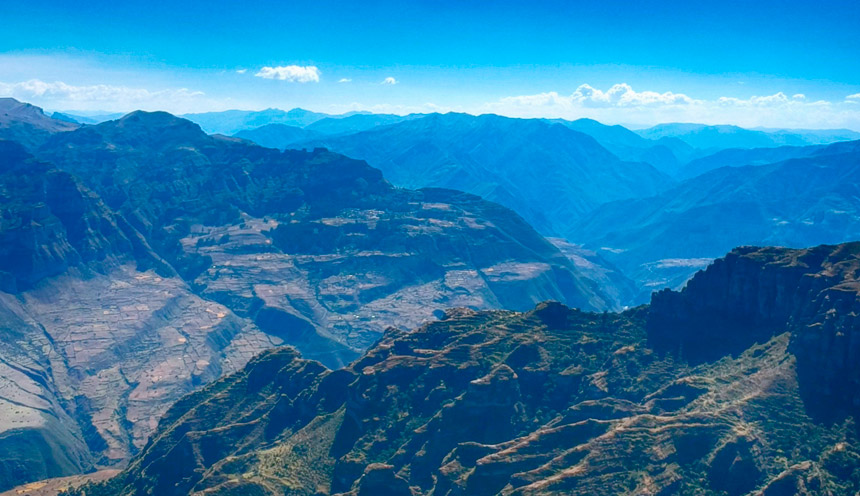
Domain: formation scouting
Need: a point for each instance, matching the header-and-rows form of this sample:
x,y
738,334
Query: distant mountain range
x,y
493,157
665,146
583,167
796,202
354,123
712,138
279,136
735,157
232,121
546,172
667,154
87,117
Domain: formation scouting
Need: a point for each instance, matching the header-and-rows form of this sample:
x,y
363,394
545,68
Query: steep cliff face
x,y
51,222
99,335
754,293
551,401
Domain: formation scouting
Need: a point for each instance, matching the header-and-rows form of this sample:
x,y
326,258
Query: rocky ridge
x,y
704,392
28,124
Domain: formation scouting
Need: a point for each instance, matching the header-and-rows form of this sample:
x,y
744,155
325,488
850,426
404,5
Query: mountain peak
x,y
296,112
14,112
8,104
158,118
162,127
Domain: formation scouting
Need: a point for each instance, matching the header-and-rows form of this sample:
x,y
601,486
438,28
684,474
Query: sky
x,y
750,63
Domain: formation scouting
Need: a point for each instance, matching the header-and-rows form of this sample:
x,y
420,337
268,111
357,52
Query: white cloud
x,y
59,95
855,96
241,71
291,73
619,95
776,99
59,90
622,104
345,80
389,80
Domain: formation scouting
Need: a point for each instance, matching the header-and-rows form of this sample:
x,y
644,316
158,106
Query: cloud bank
x,y
619,95
100,96
291,73
622,104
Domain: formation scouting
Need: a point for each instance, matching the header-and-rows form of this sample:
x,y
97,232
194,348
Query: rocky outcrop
x,y
550,401
51,223
753,294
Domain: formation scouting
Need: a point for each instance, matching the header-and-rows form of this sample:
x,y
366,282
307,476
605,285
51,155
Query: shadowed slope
x,y
799,202
546,172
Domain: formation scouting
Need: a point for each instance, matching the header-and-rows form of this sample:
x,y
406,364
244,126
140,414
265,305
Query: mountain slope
x,y
99,334
798,202
357,122
666,154
710,137
545,172
736,157
721,137
278,136
812,136
28,124
678,398
308,207
230,122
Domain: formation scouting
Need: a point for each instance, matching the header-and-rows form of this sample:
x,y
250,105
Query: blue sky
x,y
752,62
